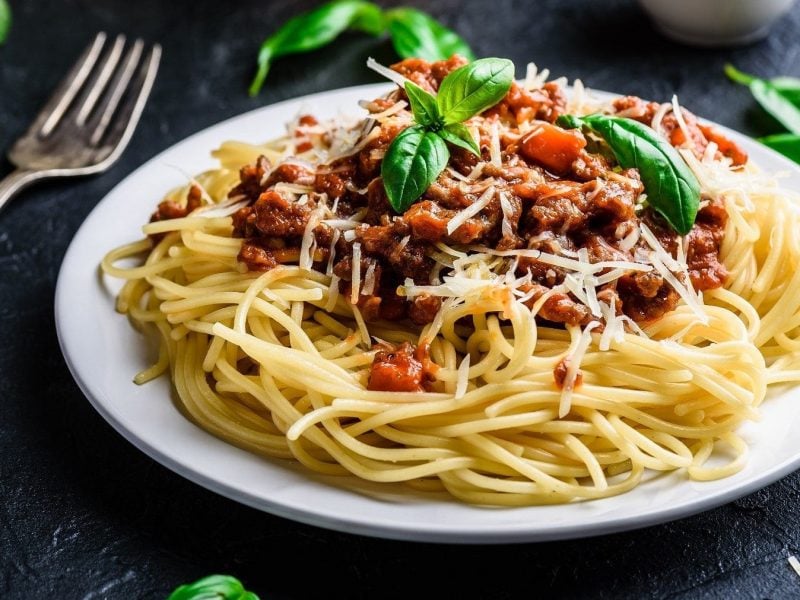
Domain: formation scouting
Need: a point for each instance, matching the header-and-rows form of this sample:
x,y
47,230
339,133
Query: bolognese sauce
x,y
554,190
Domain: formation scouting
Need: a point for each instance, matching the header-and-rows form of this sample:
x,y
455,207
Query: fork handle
x,y
14,182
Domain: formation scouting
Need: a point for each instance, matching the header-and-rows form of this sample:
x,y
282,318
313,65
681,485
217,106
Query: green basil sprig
x,y
672,189
5,20
780,97
787,144
213,587
413,33
419,153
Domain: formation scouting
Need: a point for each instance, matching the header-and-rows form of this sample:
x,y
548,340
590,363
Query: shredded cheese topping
x,y
472,210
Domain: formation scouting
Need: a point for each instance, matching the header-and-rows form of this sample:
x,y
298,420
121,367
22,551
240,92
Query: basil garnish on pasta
x,y
672,189
419,154
413,162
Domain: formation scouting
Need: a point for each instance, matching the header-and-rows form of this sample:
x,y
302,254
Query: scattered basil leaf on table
x,y
213,587
787,144
5,20
313,29
413,33
780,97
789,86
419,153
672,189
416,34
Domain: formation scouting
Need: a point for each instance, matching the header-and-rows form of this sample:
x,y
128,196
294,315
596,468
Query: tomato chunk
x,y
552,147
726,146
396,370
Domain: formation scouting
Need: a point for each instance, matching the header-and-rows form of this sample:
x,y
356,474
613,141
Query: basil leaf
x,y
788,86
213,587
458,135
775,102
423,105
473,88
787,144
570,122
5,20
780,97
313,29
417,35
672,189
413,161
738,76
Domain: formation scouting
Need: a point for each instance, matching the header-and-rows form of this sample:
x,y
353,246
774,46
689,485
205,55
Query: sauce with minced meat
x,y
562,197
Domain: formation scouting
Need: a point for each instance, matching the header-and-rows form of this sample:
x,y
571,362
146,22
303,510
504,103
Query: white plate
x,y
104,352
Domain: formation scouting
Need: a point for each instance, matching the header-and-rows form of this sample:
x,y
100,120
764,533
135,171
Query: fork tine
x,y
122,80
66,91
95,91
123,118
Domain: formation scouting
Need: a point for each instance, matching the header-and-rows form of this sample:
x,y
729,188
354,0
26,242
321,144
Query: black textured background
x,y
85,515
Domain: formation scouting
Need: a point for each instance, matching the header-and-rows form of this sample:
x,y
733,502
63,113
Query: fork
x,y
89,119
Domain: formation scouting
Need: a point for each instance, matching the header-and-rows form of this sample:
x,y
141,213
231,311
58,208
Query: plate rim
x,y
442,532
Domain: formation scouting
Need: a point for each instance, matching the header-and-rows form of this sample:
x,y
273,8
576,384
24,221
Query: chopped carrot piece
x,y
552,147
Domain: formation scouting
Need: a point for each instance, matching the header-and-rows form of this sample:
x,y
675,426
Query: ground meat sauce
x,y
563,195
169,209
402,368
560,374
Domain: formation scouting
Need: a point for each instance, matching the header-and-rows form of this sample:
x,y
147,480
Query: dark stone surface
x,y
85,515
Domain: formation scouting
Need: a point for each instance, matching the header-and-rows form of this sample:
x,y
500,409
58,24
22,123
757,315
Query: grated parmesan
x,y
494,146
387,72
676,110
462,379
473,209
355,277
333,293
508,212
369,279
575,358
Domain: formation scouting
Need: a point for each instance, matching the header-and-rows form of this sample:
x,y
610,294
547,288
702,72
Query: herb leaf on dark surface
x,y
780,97
413,33
5,20
213,587
417,35
787,144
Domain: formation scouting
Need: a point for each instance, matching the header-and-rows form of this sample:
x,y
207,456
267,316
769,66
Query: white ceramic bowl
x,y
715,22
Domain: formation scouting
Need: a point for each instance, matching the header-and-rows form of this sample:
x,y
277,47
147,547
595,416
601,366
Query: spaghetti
x,y
530,381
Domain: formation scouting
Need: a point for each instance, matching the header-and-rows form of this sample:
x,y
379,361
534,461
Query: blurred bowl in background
x,y
715,22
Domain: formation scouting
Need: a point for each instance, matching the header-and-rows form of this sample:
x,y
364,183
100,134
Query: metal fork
x,y
89,119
